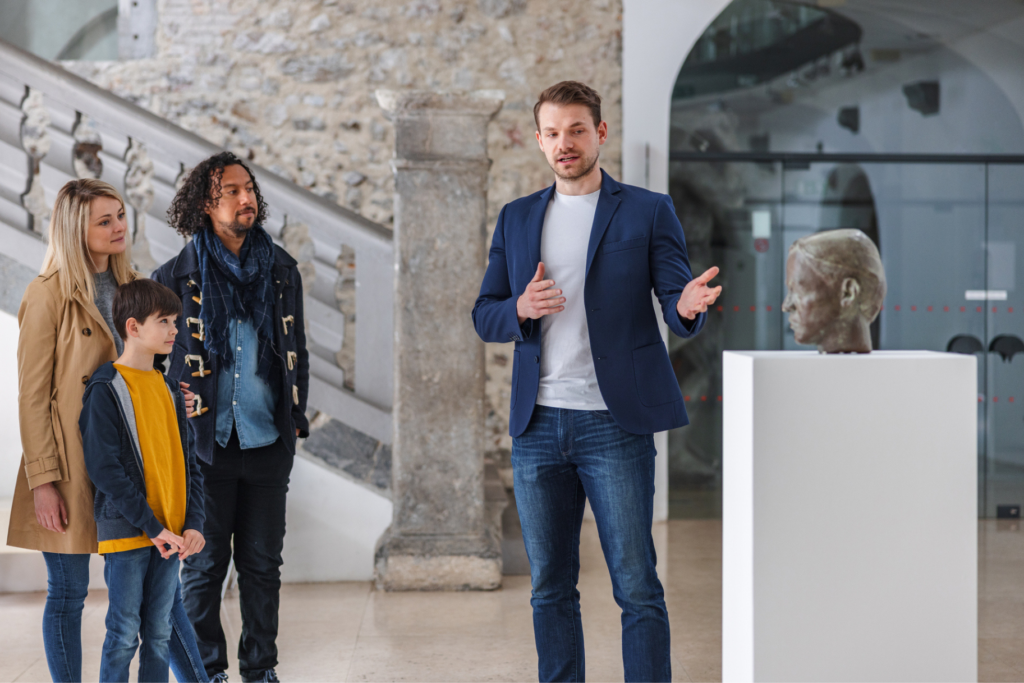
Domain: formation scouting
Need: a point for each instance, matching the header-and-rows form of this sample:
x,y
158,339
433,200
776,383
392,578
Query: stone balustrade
x,y
55,127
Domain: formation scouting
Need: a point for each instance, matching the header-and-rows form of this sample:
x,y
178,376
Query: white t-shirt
x,y
567,375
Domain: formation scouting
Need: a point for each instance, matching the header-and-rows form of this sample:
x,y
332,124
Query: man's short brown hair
x,y
570,92
140,299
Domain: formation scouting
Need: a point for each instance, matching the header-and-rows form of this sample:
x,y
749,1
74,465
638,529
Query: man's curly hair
x,y
201,190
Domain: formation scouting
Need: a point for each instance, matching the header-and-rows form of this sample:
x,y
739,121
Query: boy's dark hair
x,y
570,92
201,190
140,299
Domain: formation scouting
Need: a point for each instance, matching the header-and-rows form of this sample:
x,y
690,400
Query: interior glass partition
x,y
947,229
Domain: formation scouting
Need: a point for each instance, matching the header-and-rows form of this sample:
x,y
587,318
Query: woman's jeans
x,y
564,457
140,591
67,586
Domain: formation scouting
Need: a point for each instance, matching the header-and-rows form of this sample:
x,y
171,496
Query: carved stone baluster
x,y
179,182
88,144
299,244
35,140
138,186
345,295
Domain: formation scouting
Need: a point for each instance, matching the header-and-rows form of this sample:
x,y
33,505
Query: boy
x,y
149,490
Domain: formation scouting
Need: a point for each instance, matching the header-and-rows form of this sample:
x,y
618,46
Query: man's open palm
x,y
697,296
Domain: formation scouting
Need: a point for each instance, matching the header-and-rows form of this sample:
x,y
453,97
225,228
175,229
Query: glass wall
x,y
948,236
859,115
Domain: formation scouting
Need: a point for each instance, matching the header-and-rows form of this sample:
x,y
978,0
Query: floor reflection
x,y
347,631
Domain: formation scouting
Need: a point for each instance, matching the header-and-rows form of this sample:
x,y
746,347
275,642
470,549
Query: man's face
x,y
569,139
235,210
156,334
812,302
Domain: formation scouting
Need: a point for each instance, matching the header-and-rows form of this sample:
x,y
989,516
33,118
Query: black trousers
x,y
245,499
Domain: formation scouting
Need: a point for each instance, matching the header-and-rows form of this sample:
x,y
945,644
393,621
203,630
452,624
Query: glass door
x,y
1003,465
731,213
947,233
929,223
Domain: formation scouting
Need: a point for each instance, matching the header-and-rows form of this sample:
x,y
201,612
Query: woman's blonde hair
x,y
68,249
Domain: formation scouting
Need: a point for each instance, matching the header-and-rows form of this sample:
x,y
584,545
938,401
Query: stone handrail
x,y
55,126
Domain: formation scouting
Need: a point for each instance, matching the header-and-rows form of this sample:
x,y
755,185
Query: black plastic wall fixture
x,y
923,97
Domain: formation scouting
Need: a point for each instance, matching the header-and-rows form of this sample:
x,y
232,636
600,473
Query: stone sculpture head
x,y
836,287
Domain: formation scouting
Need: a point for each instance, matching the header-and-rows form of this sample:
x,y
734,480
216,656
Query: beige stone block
x,y
443,573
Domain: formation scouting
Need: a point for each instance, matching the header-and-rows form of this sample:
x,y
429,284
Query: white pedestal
x,y
850,517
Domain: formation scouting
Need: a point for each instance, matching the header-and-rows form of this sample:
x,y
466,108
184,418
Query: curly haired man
x,y
245,356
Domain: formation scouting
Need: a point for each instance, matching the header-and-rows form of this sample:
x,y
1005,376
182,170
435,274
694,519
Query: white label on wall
x,y
985,295
761,221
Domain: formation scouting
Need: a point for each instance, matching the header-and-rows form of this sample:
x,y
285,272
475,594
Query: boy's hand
x,y
165,537
194,542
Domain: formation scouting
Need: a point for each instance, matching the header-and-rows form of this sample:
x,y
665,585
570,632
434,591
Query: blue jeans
x,y
140,591
563,457
67,586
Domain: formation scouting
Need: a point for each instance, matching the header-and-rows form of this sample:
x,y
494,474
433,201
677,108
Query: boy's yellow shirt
x,y
162,457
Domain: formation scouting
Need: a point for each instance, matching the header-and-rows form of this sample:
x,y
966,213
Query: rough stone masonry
x,y
289,84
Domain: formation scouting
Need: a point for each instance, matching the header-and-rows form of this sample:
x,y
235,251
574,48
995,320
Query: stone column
x,y
445,535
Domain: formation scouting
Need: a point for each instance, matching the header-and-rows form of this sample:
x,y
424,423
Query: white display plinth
x,y
850,517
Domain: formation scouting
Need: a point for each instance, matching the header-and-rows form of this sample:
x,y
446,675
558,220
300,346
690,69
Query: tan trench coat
x,y
61,343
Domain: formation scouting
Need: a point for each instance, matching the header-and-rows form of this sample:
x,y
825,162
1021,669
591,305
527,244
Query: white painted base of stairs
x,y
24,571
333,527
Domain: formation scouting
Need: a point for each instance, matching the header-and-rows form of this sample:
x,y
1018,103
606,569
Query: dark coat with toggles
x,y
290,373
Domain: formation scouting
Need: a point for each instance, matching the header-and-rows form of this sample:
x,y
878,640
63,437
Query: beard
x,y
238,228
586,166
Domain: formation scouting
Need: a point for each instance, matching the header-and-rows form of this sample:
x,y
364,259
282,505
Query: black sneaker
x,y
269,676
221,677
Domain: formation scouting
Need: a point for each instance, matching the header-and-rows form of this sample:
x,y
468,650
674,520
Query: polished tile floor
x,y
347,631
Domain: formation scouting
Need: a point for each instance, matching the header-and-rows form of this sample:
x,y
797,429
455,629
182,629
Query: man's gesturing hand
x,y
539,299
697,296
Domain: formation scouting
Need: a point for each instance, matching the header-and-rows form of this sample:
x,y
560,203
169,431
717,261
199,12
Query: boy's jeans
x,y
68,584
140,587
564,457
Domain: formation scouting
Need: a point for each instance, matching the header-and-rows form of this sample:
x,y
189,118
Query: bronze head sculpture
x,y
836,287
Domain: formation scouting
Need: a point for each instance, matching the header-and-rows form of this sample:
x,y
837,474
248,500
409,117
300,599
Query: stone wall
x,y
289,84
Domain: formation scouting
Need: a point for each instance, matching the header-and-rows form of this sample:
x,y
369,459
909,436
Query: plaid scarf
x,y
239,287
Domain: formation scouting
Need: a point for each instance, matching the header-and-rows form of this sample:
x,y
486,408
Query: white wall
x,y
10,436
656,37
333,526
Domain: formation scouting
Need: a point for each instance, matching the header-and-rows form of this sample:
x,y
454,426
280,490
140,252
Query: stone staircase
x,y
55,127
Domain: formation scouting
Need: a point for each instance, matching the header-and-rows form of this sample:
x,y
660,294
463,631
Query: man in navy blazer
x,y
569,281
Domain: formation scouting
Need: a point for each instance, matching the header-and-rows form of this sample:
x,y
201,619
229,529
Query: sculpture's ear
x,y
848,292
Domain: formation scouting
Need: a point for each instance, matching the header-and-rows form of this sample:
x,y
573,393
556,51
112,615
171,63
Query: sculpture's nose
x,y
787,304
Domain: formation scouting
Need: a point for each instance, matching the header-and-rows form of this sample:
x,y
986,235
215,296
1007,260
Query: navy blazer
x,y
636,245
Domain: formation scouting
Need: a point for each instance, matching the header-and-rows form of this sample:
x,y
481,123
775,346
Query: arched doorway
x,y
790,118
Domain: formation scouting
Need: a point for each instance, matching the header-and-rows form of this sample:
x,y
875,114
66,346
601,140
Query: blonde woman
x,y
66,333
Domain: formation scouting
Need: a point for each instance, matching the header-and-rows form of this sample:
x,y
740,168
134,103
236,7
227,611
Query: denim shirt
x,y
243,399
